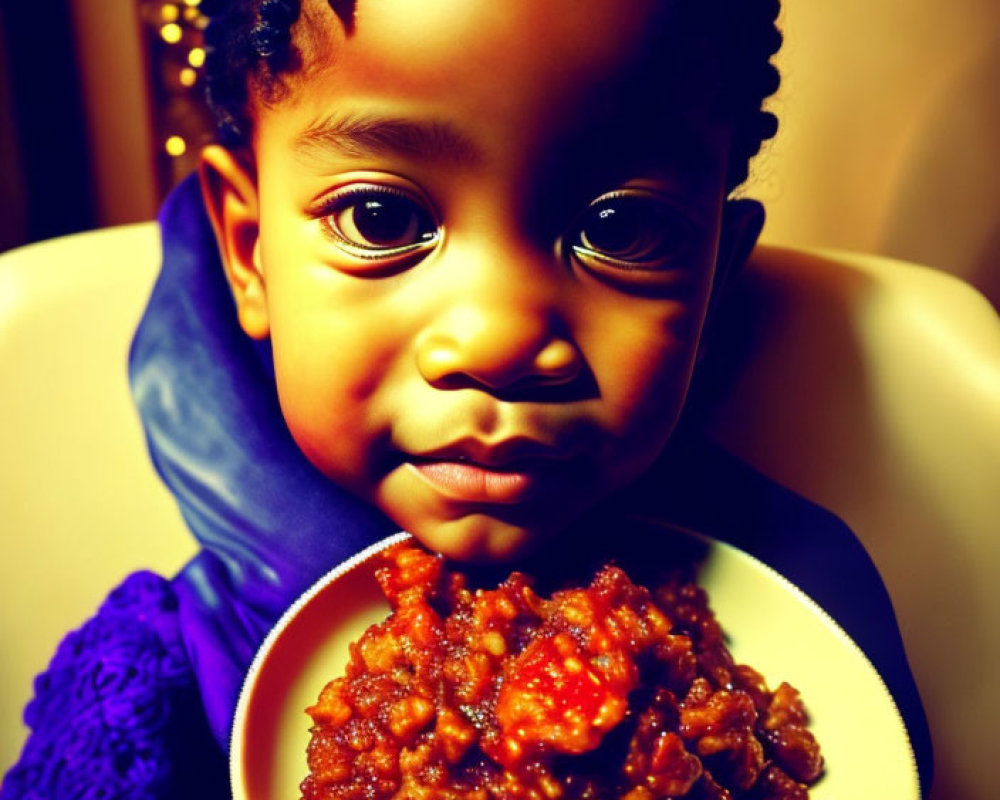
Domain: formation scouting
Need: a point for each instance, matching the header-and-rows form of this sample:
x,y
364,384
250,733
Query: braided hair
x,y
749,39
246,41
249,48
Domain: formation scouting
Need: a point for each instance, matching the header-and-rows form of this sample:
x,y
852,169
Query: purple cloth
x,y
269,524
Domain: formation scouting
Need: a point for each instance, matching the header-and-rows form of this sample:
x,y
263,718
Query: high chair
x,y
869,386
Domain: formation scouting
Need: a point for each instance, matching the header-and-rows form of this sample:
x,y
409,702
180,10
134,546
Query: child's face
x,y
483,287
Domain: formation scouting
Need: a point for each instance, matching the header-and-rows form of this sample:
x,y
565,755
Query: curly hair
x,y
249,48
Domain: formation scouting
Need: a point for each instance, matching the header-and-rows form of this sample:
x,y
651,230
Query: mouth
x,y
505,474
474,483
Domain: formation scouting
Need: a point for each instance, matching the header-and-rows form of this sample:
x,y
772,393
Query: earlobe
x,y
230,194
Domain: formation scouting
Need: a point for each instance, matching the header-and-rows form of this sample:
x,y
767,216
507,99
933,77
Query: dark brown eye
x,y
373,221
634,231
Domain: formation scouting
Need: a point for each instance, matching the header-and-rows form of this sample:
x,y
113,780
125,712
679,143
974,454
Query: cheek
x,y
644,371
329,335
329,362
325,426
644,379
647,406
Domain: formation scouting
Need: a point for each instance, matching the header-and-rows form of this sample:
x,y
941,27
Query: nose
x,y
499,332
501,352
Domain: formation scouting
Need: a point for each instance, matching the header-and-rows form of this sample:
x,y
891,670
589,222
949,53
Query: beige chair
x,y
872,387
80,504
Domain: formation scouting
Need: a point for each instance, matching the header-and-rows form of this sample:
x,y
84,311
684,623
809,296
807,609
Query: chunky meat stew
x,y
610,690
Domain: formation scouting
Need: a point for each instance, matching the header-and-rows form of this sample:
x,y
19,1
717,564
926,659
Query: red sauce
x,y
611,690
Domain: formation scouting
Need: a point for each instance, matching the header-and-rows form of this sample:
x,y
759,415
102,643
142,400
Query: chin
x,y
480,538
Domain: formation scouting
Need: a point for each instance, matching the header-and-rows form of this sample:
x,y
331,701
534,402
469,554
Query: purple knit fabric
x,y
117,708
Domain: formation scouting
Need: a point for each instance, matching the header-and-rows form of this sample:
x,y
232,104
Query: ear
x,y
742,221
229,190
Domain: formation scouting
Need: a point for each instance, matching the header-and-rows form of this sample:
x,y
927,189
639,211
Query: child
x,y
473,246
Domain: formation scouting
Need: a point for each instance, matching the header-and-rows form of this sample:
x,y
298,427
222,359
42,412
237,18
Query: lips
x,y
475,483
506,472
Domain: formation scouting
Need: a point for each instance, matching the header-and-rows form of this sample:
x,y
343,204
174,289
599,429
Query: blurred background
x,y
890,137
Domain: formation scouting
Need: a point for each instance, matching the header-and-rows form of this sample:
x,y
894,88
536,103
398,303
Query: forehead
x,y
490,45
517,75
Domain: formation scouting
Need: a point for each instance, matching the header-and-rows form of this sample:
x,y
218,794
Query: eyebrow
x,y
368,135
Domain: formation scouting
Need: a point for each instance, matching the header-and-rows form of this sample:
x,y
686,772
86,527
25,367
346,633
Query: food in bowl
x,y
608,690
